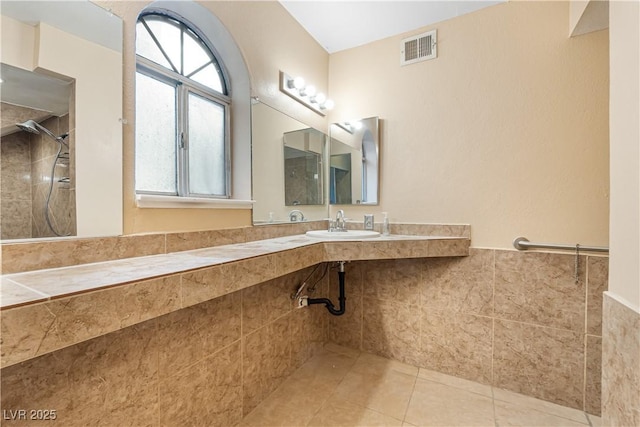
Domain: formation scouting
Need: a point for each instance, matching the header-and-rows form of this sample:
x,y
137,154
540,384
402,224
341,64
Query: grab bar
x,y
522,243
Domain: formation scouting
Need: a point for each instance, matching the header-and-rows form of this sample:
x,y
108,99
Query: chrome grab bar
x,y
522,243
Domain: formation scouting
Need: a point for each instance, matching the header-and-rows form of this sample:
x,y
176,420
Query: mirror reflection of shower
x,y
62,154
37,137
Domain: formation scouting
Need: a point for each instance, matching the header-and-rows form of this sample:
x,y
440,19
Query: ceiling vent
x,y
418,48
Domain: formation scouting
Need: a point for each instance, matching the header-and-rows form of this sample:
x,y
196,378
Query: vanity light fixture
x,y
351,126
305,94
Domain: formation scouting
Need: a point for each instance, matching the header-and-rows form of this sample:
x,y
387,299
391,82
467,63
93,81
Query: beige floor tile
x,y
595,421
461,383
435,404
335,348
406,424
388,393
338,412
539,405
511,414
371,364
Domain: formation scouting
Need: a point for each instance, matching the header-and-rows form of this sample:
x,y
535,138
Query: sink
x,y
349,234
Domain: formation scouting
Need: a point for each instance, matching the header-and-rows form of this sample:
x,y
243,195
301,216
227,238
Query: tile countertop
x,y
44,310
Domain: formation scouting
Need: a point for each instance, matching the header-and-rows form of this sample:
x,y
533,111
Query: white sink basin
x,y
342,235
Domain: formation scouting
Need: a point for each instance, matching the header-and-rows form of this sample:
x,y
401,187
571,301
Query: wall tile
x,y
457,344
391,330
268,301
542,362
393,280
347,329
205,394
593,389
620,361
189,335
297,259
597,283
68,381
203,285
540,288
15,219
266,361
307,334
204,239
459,285
249,272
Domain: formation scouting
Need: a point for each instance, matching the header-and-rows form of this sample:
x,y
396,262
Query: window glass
x,y
206,146
155,135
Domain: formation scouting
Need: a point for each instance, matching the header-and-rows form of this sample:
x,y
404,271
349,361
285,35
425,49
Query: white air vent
x,y
418,48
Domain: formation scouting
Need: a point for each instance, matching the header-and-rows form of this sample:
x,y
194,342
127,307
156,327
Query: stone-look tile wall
x,y
208,364
19,257
15,186
515,320
621,364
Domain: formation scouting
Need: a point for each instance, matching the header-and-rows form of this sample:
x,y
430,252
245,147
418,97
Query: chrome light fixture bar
x,y
305,94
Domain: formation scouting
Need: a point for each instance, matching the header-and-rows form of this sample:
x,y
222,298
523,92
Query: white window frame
x,y
184,87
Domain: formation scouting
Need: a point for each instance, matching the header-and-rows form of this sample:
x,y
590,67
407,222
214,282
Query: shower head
x,y
32,126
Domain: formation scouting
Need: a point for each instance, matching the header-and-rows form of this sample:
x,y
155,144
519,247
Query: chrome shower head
x,y
28,126
32,126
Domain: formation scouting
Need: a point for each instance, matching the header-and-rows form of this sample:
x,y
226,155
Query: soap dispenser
x,y
385,224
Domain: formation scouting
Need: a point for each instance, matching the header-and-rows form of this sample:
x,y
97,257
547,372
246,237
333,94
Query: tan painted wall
x,y
506,130
624,279
270,40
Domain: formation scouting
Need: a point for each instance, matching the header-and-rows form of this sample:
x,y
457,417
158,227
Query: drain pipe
x,y
341,298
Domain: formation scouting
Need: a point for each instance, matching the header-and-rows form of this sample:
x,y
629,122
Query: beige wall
x,y
625,151
506,130
265,51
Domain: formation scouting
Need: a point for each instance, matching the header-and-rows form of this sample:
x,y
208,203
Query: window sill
x,y
174,202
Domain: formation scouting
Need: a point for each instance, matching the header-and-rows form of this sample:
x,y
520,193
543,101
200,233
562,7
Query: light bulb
x,y
298,83
357,125
328,105
319,98
308,91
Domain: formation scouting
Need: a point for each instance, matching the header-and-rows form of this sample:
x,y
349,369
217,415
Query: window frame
x,y
184,86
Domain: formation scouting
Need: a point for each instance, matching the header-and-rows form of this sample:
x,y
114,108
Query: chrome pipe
x,y
522,244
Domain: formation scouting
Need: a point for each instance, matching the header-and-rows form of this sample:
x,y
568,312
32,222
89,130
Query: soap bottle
x,y
385,224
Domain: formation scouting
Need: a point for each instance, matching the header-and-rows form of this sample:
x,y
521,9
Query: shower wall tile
x,y
459,345
16,181
208,393
459,285
597,284
620,361
266,361
15,219
540,288
538,361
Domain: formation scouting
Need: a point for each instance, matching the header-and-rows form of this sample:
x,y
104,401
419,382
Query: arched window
x,y
182,111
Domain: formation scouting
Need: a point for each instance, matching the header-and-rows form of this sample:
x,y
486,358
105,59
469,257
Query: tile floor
x,y
344,387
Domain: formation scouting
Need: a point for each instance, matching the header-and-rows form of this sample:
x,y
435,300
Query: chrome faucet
x,y
341,225
296,215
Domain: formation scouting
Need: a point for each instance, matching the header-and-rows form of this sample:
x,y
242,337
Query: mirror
x,y
303,153
354,159
287,168
61,67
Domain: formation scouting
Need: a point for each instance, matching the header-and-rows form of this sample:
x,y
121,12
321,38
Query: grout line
x,y
413,389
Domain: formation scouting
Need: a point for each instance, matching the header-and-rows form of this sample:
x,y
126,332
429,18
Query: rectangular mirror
x,y
303,153
354,159
287,167
61,65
